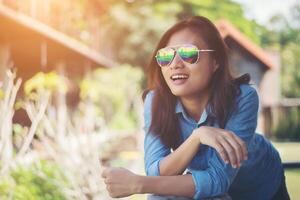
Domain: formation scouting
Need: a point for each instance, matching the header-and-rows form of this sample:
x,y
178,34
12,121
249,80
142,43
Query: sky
x,y
262,10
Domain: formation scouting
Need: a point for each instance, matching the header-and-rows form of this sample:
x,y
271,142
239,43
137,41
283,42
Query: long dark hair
x,y
225,88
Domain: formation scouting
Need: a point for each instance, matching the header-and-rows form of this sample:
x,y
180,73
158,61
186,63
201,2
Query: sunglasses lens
x,y
188,54
165,56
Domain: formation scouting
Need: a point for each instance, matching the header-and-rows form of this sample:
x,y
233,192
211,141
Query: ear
x,y
216,66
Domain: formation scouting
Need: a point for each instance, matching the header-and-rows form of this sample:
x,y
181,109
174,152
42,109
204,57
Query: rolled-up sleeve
x,y
217,178
154,149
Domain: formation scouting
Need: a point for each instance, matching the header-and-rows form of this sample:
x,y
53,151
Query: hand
x,y
227,144
120,182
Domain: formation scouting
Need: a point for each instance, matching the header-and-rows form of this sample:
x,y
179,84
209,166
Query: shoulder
x,y
243,119
148,102
148,107
148,98
247,93
247,100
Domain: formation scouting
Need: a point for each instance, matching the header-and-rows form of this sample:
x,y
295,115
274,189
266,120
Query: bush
x,y
288,127
116,92
40,181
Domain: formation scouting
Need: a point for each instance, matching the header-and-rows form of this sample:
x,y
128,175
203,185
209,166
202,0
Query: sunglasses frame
x,y
175,48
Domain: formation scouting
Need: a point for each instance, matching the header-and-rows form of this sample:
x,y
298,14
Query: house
x,y
263,67
34,46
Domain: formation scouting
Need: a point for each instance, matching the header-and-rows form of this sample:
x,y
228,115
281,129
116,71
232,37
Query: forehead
x,y
186,36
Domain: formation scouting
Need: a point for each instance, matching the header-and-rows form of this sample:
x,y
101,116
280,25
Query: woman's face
x,y
194,78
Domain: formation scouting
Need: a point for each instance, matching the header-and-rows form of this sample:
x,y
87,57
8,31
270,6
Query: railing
x,y
291,165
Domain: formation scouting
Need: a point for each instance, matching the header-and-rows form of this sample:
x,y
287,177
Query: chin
x,y
179,92
186,92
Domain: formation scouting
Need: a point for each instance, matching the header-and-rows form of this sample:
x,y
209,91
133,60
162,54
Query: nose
x,y
177,62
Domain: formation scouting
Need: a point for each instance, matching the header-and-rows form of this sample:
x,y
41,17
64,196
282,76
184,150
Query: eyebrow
x,y
199,49
180,45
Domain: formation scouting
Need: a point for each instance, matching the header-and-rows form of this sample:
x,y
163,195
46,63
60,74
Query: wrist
x,y
197,133
140,184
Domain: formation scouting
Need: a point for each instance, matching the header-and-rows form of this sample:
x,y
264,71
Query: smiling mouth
x,y
179,77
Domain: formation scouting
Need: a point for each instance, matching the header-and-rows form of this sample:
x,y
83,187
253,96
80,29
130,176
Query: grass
x,y
293,182
289,151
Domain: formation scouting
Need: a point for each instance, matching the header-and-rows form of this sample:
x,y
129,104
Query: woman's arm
x,y
217,178
181,185
121,182
229,146
176,162
159,160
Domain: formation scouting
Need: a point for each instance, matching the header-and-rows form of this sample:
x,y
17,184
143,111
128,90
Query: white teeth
x,y
179,76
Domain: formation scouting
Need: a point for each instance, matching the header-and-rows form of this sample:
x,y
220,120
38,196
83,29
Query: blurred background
x,y
72,73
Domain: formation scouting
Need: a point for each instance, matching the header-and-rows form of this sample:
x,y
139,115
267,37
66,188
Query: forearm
x,y
181,185
176,162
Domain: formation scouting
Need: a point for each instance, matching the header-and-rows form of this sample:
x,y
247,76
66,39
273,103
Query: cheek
x,y
165,74
202,76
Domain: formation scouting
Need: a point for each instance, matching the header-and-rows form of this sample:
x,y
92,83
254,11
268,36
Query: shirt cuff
x,y
153,169
202,183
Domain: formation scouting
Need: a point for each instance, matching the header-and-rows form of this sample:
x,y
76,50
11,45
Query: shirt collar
x,y
180,109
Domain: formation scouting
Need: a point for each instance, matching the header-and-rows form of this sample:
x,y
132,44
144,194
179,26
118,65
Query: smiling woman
x,y
200,122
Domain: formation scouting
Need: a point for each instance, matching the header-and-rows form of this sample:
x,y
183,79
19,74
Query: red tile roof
x,y
60,38
226,29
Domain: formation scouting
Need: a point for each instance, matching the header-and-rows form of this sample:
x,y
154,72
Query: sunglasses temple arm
x,y
206,50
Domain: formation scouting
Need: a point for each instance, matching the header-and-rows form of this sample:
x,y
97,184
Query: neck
x,y
195,104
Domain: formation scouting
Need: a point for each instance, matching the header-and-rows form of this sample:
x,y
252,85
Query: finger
x,y
220,149
237,149
109,188
104,173
243,147
241,144
230,137
112,191
229,150
107,181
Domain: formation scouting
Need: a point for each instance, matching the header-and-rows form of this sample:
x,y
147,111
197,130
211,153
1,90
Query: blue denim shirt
x,y
258,178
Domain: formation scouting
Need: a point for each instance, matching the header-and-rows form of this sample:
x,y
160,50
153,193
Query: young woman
x,y
200,123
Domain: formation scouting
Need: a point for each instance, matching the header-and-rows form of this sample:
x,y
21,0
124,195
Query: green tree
x,y
115,93
133,29
127,31
284,36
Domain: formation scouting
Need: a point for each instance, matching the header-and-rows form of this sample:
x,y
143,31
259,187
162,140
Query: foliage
x,y
216,10
288,127
284,36
66,139
42,81
291,70
115,91
133,29
127,31
40,181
